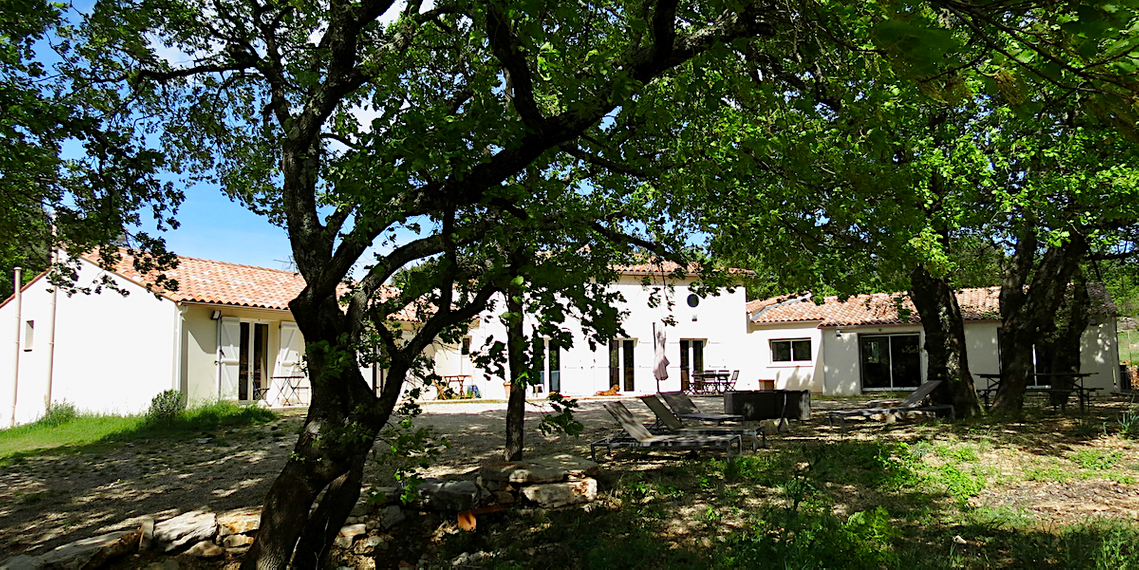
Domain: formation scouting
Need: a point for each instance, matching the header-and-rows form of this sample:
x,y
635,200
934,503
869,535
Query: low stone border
x,y
553,481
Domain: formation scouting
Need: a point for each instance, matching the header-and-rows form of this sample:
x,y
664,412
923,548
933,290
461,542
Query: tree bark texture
x,y
945,344
341,427
1031,294
1066,347
516,358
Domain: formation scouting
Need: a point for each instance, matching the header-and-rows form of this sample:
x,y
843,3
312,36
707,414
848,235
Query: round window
x,y
693,300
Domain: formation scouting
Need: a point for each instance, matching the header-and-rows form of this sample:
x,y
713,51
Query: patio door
x,y
243,358
621,364
548,364
890,362
691,360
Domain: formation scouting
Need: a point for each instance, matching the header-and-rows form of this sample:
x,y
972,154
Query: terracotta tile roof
x,y
666,267
873,309
223,283
981,304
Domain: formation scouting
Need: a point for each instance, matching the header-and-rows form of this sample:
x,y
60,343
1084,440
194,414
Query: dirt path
x,y
60,497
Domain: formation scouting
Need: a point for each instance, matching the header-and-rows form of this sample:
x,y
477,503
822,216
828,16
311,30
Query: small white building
x,y
225,334
864,344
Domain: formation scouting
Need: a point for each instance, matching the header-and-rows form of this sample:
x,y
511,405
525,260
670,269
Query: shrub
x,y
59,413
166,406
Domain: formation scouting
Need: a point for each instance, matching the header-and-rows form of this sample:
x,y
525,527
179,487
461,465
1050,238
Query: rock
x,y
21,562
523,472
236,541
552,495
205,549
146,539
503,498
189,528
241,521
361,509
391,516
343,541
380,496
372,524
353,530
490,485
351,520
80,553
545,469
442,495
367,545
168,564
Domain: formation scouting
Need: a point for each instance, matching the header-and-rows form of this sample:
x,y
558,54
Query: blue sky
x,y
213,227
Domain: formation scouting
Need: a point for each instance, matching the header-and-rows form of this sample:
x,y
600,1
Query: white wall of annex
x,y
787,375
112,353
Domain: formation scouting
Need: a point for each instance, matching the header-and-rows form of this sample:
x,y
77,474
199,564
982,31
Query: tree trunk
x,y
1066,348
516,358
944,342
341,427
1031,294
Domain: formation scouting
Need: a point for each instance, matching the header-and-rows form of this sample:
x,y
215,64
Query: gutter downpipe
x,y
176,381
17,285
51,342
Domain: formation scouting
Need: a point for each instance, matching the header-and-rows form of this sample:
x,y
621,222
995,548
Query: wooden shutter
x,y
229,357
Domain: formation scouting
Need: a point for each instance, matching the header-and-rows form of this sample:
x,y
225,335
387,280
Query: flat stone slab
x,y
545,469
441,495
241,521
188,528
89,552
553,495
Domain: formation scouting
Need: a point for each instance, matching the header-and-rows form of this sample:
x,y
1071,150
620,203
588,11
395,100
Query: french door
x,y
243,359
621,365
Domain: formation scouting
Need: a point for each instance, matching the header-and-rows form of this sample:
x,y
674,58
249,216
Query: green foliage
x,y
814,538
1096,459
1129,424
405,450
563,420
59,413
166,406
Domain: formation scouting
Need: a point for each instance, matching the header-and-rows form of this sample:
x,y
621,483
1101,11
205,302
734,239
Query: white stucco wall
x,y
802,375
719,320
199,378
112,353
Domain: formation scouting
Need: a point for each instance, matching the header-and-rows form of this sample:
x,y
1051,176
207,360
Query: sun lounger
x,y
910,404
638,436
673,424
683,407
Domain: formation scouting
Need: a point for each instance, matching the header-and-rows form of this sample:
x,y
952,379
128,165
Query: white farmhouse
x,y
227,334
864,344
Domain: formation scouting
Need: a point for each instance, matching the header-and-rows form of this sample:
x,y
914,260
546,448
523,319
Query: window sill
x,y
794,364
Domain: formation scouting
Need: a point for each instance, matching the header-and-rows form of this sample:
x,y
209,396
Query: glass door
x,y
253,364
890,361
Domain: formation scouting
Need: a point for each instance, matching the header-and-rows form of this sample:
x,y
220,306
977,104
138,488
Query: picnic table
x,y
993,382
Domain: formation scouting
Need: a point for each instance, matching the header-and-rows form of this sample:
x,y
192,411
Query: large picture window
x,y
791,350
890,361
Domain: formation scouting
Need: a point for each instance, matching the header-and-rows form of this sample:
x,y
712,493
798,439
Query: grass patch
x,y
1096,459
71,430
